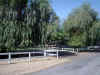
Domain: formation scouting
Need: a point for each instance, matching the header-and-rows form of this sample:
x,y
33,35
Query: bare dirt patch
x,y
22,67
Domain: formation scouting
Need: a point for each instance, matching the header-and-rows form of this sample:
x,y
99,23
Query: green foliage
x,y
79,22
77,41
58,36
22,26
52,29
95,33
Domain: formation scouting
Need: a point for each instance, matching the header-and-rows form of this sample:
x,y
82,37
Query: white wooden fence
x,y
19,53
44,52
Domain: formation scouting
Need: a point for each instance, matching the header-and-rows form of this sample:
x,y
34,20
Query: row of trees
x,y
23,25
82,26
80,29
29,23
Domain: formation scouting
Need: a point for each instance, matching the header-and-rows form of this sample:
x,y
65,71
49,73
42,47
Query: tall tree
x,y
22,26
79,22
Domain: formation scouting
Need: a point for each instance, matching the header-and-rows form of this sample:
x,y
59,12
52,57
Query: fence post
x,y
77,50
57,54
73,50
62,49
45,53
29,57
9,58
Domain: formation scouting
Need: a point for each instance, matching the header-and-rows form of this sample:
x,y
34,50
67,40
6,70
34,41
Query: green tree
x,y
53,28
79,23
22,26
95,33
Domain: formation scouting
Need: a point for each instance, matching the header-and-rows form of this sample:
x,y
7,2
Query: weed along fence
x,y
45,53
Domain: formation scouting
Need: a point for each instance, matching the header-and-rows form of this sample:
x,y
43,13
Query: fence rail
x,y
44,52
19,53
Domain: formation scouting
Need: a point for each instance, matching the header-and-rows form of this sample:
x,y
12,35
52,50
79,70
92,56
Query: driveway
x,y
86,64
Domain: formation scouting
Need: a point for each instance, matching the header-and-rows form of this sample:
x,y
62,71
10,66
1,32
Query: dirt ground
x,y
21,66
83,64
